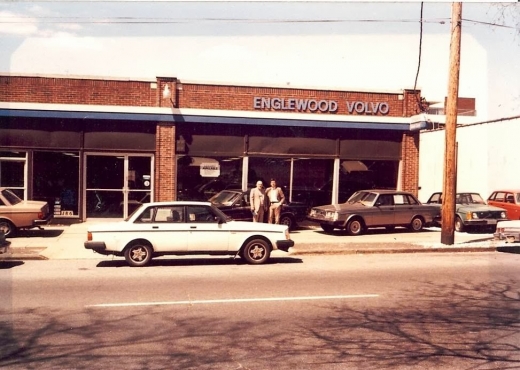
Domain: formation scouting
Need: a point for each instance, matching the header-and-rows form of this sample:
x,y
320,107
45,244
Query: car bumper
x,y
284,245
99,247
481,222
45,221
509,236
324,221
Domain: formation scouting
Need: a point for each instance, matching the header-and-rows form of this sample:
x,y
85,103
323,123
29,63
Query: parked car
x,y
235,203
16,214
508,230
508,200
472,212
323,194
185,228
375,208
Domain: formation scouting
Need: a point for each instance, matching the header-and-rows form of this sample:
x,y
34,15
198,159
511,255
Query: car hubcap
x,y
256,252
138,254
355,227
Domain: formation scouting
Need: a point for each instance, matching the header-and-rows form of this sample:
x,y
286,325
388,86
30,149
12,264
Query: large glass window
x,y
56,180
199,178
12,171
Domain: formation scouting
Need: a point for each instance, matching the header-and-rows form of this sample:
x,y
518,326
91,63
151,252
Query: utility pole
x,y
450,166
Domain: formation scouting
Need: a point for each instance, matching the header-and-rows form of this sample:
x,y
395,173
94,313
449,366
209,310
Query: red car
x,y
507,199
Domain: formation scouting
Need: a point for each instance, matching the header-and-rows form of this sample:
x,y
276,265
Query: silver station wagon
x,y
186,228
375,208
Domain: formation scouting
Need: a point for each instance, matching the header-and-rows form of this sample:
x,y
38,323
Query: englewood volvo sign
x,y
314,105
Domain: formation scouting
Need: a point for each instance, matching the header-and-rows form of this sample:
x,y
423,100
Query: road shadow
x,y
181,262
4,265
515,249
37,233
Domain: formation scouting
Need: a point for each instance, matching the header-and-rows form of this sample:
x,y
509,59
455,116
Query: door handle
x,y
155,227
193,227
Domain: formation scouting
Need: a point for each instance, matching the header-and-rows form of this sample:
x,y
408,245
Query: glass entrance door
x,y
116,184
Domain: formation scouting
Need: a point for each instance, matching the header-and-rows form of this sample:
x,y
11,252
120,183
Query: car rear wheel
x,y
7,227
459,225
416,224
288,221
138,254
256,251
327,228
355,227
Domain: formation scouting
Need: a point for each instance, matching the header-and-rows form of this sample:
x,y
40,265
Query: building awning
x,y
210,116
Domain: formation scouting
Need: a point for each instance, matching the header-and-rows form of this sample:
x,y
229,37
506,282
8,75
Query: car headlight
x,y
332,215
312,212
503,215
474,215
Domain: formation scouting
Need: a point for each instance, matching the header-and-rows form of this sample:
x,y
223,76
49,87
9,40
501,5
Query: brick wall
x,y
77,91
203,96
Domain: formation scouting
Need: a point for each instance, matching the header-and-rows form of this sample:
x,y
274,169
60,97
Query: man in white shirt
x,y
258,202
276,198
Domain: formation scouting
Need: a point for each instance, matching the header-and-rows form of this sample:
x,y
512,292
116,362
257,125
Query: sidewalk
x,y
66,242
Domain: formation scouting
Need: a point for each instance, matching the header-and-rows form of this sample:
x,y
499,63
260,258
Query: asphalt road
x,y
410,311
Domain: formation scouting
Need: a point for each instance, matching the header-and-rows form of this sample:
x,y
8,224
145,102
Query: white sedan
x,y
186,228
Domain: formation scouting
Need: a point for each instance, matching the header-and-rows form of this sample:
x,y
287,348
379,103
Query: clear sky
x,y
321,44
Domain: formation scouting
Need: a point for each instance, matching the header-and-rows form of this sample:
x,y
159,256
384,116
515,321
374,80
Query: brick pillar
x,y
410,165
165,164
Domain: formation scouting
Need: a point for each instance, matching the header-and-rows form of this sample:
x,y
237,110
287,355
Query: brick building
x,y
98,147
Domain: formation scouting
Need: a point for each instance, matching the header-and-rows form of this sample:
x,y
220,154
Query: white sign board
x,y
210,169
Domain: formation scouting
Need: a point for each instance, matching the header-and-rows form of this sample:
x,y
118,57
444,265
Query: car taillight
x,y
40,216
500,229
287,235
89,236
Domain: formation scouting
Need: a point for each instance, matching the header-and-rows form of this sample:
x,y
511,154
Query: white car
x,y
508,230
186,228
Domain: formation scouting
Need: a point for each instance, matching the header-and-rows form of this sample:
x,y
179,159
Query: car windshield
x,y
363,197
469,198
11,197
225,198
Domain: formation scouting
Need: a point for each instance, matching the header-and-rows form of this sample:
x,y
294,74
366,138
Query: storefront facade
x,y
98,148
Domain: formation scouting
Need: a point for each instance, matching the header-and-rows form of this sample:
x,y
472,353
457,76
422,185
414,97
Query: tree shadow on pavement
x,y
447,326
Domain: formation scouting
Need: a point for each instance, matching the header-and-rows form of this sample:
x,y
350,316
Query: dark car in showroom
x,y
375,208
235,204
472,212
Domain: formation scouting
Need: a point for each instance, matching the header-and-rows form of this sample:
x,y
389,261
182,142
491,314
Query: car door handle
x,y
193,227
155,227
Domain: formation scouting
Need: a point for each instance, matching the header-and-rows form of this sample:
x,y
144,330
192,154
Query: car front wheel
x,y
459,225
355,227
256,251
287,220
416,224
7,227
138,254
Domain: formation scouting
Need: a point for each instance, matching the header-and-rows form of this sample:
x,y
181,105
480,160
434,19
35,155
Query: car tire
x,y
417,224
288,221
7,227
355,227
459,225
327,228
256,251
138,254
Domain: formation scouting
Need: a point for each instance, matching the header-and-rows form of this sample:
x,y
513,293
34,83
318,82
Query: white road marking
x,y
240,300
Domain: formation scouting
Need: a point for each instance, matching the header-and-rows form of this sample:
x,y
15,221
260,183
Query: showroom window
x,y
56,181
12,172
